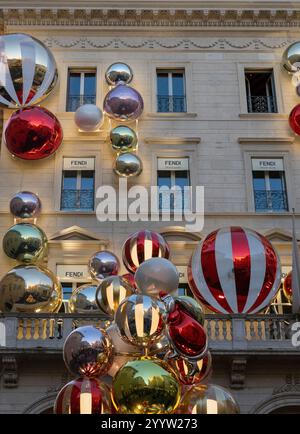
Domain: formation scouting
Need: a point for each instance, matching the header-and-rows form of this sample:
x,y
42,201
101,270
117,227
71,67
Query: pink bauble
x,y
123,103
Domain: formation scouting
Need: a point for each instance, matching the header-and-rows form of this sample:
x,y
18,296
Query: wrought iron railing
x,y
171,104
271,200
261,104
77,199
75,101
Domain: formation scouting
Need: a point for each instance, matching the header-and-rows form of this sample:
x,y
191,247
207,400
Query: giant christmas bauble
x,y
190,373
128,165
123,103
294,119
287,286
141,246
83,299
33,133
30,289
111,292
235,270
123,139
83,396
118,72
291,58
88,117
28,70
103,264
25,205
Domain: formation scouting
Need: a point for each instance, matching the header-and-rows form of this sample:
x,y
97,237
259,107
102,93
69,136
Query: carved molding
x,y
292,384
238,373
190,18
10,375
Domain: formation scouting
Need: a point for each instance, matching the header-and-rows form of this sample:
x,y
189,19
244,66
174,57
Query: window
x,y
173,173
171,91
260,89
81,88
78,185
269,186
184,289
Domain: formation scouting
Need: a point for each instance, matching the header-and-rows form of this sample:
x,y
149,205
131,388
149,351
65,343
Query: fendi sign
x,y
173,164
72,272
267,164
79,163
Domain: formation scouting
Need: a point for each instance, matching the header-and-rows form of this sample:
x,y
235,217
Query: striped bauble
x,y
111,292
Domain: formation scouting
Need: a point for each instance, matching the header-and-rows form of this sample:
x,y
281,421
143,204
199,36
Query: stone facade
x,y
214,44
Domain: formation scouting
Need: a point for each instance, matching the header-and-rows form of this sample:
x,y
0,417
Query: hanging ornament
x,y
88,117
88,352
141,246
118,72
145,386
211,399
156,275
83,396
235,270
111,292
287,287
291,58
103,264
294,119
25,242
83,299
25,205
30,289
190,373
191,306
128,165
33,133
140,320
28,70
123,139
123,103
129,277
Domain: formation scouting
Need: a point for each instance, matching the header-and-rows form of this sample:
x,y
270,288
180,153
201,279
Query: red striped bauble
x,y
83,396
141,246
235,270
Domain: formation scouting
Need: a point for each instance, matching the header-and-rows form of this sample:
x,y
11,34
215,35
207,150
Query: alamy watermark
x,y
139,203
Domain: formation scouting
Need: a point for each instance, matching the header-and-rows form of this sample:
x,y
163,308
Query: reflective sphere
x,y
83,396
25,243
209,399
83,299
291,58
287,287
28,70
221,270
190,373
140,320
33,133
143,245
103,264
145,386
123,139
191,306
118,72
294,119
111,292
88,352
88,117
157,275
123,103
30,289
127,165
129,277
25,205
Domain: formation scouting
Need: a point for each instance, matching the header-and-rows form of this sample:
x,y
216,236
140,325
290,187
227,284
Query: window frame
x,y
82,72
78,186
170,72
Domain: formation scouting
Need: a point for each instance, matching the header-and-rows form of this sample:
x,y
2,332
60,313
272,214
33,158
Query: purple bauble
x,y
25,205
123,103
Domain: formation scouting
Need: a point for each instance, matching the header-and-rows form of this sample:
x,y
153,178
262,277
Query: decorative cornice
x,y
137,17
10,372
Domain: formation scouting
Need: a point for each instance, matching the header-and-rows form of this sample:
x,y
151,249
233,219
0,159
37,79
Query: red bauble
x,y
294,119
190,374
83,396
287,286
187,335
33,133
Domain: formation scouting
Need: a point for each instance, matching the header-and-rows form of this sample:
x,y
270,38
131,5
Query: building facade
x,y
216,112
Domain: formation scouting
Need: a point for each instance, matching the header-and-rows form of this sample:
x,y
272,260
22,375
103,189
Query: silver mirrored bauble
x,y
103,264
127,165
123,139
291,58
83,299
88,117
157,275
32,289
118,72
25,205
28,71
88,352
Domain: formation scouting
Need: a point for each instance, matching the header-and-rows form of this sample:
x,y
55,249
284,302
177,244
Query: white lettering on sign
x,y
267,164
72,273
173,164
79,163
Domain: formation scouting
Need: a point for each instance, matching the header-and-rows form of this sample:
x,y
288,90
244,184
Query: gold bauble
x,y
111,292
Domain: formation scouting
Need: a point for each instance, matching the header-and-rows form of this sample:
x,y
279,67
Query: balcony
x,y
75,101
77,200
271,200
261,104
171,104
228,334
